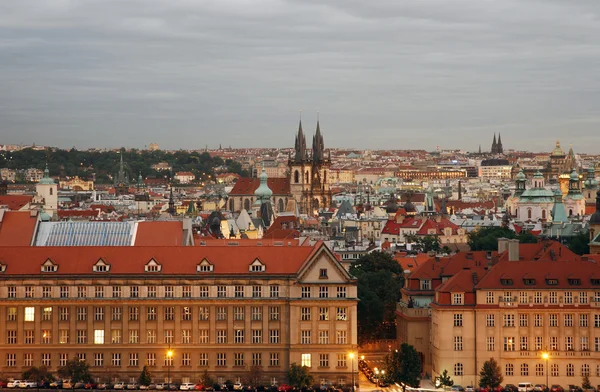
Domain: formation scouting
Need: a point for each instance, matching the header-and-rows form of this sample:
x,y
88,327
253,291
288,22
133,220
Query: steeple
x,y
121,178
494,145
300,154
499,148
318,146
171,209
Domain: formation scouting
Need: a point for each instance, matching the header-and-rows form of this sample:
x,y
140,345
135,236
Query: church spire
x,y
494,145
318,145
499,145
300,154
171,209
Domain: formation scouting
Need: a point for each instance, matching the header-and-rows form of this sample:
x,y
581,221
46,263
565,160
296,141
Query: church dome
x,y
409,207
47,180
521,175
392,206
538,175
574,175
263,191
558,152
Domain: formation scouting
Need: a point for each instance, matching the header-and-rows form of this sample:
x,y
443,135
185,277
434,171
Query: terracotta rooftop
x,y
17,228
15,202
159,233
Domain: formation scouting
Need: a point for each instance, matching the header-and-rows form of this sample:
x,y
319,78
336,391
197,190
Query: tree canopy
x,y
299,376
427,243
486,238
445,380
102,165
380,279
145,377
38,374
75,370
580,243
404,366
490,375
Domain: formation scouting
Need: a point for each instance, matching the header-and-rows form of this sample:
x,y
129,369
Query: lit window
x,y
98,336
306,360
30,313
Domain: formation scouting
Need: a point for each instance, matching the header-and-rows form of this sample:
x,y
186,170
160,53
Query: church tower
x,y
47,190
499,148
494,145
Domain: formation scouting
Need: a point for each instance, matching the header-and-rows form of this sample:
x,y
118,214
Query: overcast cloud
x,y
382,73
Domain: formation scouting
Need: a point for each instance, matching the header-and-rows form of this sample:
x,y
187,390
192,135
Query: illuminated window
x,y
306,360
98,336
30,313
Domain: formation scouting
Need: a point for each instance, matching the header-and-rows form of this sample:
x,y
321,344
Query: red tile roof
x,y
17,229
64,214
180,260
15,202
437,226
169,233
247,186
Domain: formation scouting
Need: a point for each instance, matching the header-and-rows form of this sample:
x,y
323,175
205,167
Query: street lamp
x,y
546,356
169,358
377,377
351,355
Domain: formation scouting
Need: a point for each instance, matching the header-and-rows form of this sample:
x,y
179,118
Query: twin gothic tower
x,y
310,173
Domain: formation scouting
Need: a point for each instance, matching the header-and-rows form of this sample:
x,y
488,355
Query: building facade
x,y
219,309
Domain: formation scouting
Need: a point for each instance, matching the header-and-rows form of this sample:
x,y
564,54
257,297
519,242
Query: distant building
x,y
33,175
7,174
154,147
77,184
162,166
185,177
495,169
497,146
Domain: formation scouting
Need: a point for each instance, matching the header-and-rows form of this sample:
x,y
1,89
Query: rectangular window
x,y
256,359
134,359
583,297
64,291
274,359
221,291
523,343
81,314
29,336
274,336
151,359
489,297
324,314
11,314
306,360
27,359
47,360
134,292
28,291
238,313
99,291
509,343
46,336
98,359
30,313
186,292
151,291
305,336
554,320
425,284
305,291
221,359
204,336
323,360
168,291
116,313
554,343
168,336
63,313
538,320
221,313
274,291
203,359
169,313
186,359
238,335
490,343
134,313
597,321
12,292
99,336
273,313
46,292
47,314
458,343
323,292
523,298
523,320
457,299
509,320
569,343
458,320
63,336
11,337
257,336
115,359
553,297
238,359
204,292
323,337
82,336
341,360
134,336
537,298
221,336
341,314
256,291
63,358
151,336
305,314
115,336
11,360
583,320
568,320
341,337
584,343
539,343
116,291
81,291
99,314
341,292
239,291
186,313
568,297
256,312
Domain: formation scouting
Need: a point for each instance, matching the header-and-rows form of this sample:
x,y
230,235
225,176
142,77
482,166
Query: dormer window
x,y
529,282
323,273
153,266
574,282
2,267
595,282
506,282
552,282
101,266
205,266
49,266
257,266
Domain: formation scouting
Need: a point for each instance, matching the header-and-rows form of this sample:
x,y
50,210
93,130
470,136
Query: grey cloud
x,y
383,74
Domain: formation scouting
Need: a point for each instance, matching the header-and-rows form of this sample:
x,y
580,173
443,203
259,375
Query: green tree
x,y
75,370
145,377
380,279
404,366
445,380
585,382
580,243
486,238
38,375
255,375
206,380
299,376
425,244
490,375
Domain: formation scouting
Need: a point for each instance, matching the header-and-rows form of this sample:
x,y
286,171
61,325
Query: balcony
x,y
417,312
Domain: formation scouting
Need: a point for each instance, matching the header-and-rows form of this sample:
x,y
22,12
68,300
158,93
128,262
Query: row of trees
x,y
104,164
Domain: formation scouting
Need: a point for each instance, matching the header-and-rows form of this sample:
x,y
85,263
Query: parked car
x,y
105,385
575,388
511,388
187,386
199,387
556,388
525,387
13,384
284,388
540,388
160,386
147,387
119,385
90,385
3,384
56,384
238,386
458,388
469,388
173,387
79,385
25,384
66,384
132,385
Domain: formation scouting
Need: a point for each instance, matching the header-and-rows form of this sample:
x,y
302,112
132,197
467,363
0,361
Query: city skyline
x,y
412,75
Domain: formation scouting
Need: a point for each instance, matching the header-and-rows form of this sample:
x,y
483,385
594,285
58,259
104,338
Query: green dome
x,y
574,175
521,175
46,180
558,152
538,175
263,191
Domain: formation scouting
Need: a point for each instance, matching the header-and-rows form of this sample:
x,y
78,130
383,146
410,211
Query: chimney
x,y
513,250
502,244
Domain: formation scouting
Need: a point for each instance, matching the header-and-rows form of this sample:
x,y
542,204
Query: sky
x,y
380,74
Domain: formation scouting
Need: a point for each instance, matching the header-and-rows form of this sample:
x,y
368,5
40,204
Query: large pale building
x,y
220,309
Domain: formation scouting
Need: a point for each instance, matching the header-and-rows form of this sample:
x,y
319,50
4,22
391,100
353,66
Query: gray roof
x,y
85,234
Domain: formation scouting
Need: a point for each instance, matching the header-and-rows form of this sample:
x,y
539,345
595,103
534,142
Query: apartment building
x,y
220,309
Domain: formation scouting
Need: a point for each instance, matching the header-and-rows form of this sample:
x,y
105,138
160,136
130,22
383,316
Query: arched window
x,y
458,369
585,370
524,369
296,176
51,190
543,214
529,213
570,370
570,212
247,205
510,369
280,205
554,370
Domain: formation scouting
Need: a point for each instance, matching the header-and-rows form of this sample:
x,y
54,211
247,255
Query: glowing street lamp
x,y
546,356
351,355
169,358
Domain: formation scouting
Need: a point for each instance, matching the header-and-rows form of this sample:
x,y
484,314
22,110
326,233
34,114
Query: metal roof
x,y
85,233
